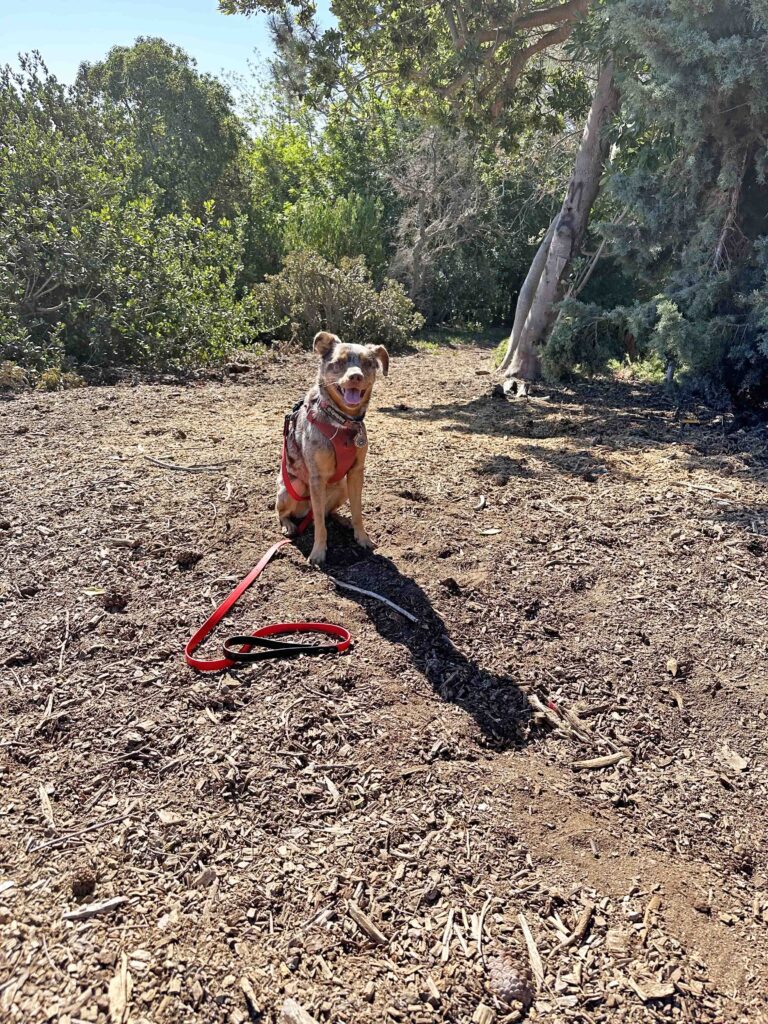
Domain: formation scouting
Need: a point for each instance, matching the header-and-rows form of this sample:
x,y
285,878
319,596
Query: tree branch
x,y
563,17
566,12
517,65
456,39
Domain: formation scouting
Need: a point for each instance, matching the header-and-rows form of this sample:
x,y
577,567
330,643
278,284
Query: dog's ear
x,y
323,342
381,356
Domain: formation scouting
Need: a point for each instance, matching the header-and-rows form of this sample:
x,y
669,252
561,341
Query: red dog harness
x,y
345,434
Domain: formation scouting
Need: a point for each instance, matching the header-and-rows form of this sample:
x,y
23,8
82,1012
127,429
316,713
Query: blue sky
x,y
67,32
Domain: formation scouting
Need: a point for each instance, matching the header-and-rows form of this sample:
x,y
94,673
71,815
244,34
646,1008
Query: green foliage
x,y
672,335
91,270
283,168
468,67
312,294
688,179
347,226
181,123
168,293
586,337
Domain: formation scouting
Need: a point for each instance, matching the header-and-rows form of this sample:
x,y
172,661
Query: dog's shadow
x,y
495,702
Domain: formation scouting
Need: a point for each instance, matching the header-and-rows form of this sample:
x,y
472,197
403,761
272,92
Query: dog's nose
x,y
354,375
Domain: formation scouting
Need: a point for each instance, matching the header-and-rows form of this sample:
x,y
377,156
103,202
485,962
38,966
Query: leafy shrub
x,y
12,377
53,379
90,270
168,291
311,294
348,226
584,335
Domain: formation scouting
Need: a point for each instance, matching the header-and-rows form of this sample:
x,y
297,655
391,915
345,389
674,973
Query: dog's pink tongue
x,y
352,396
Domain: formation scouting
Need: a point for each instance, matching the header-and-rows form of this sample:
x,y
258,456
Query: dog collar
x,y
331,410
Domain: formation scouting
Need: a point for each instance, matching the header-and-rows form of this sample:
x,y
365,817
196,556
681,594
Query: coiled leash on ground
x,y
239,649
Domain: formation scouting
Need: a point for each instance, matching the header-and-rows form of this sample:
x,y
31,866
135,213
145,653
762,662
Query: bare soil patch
x,y
362,834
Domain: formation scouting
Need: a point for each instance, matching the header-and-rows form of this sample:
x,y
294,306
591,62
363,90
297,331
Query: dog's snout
x,y
354,374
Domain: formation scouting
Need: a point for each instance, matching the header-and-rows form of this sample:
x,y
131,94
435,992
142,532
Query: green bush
x,y
348,226
90,270
168,293
584,336
311,294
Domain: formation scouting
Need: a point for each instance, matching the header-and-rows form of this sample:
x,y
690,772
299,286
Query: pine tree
x,y
690,172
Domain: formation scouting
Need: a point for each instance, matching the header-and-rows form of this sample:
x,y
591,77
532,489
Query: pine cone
x,y
82,881
510,980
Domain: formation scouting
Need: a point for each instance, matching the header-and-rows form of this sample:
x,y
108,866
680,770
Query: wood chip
x,y
250,996
483,1015
294,1013
649,990
120,989
606,761
654,905
537,967
45,803
434,991
365,924
92,909
169,818
732,759
582,925
617,941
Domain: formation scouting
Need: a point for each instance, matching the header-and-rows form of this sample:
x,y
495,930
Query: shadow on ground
x,y
620,414
494,701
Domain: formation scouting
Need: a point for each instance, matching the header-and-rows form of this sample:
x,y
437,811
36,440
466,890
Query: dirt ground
x,y
372,835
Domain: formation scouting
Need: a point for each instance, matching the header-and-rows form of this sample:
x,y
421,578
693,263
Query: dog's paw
x,y
364,541
316,556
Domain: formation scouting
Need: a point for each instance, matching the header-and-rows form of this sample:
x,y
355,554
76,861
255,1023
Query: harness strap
x,y
346,438
286,477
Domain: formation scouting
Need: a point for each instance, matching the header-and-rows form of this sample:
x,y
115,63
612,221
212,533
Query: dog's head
x,y
347,372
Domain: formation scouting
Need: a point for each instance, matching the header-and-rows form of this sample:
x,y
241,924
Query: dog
x,y
325,442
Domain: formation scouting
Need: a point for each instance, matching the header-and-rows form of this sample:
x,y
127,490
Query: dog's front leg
x,y
317,496
355,488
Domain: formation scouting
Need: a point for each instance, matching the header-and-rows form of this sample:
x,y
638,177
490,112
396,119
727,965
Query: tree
x,y
182,123
689,177
475,53
91,268
476,65
543,286
443,198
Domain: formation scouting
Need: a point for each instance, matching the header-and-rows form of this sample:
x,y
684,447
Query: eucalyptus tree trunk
x,y
544,285
527,292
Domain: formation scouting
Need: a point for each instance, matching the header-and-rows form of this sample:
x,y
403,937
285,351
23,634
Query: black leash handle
x,y
233,648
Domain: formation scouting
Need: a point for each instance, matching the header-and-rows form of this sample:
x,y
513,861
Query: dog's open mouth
x,y
351,397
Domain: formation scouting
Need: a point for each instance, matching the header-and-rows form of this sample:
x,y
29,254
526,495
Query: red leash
x,y
262,637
